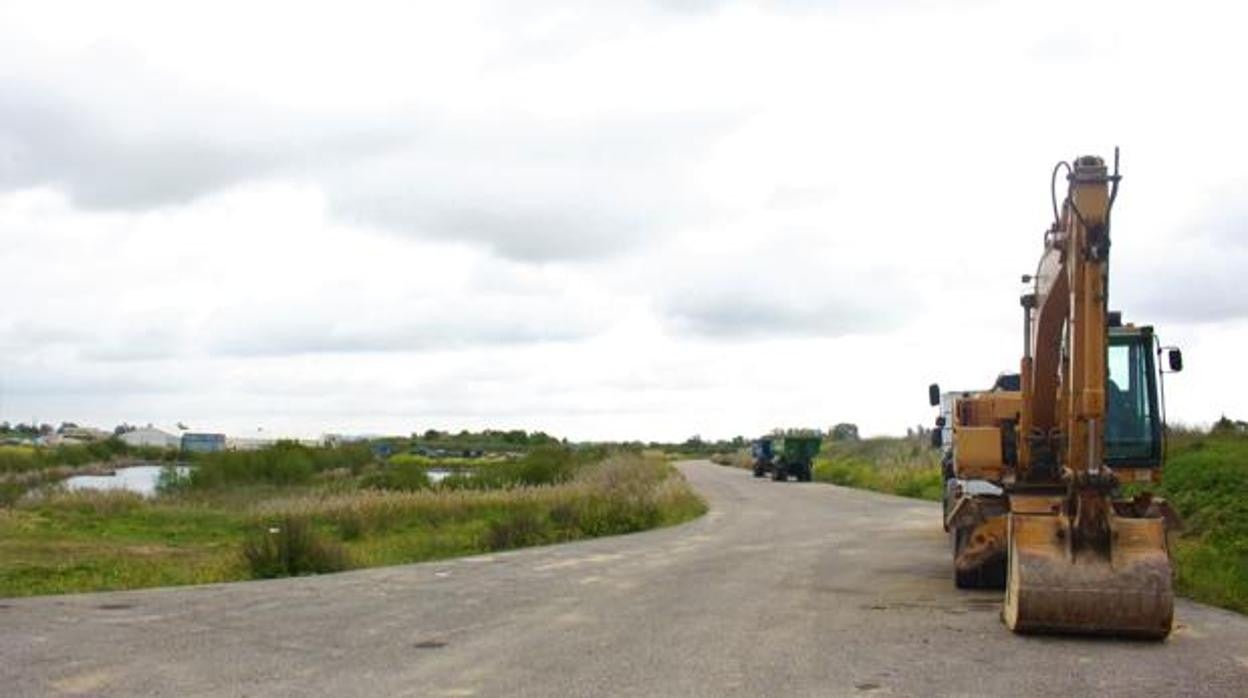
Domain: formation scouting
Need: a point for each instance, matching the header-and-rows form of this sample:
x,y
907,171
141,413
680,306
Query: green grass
x,y
905,467
87,541
109,540
449,463
25,459
1206,480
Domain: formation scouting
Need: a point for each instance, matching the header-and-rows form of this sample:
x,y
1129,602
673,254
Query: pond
x,y
440,474
136,478
143,479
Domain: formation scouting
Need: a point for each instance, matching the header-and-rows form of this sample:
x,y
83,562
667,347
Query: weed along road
x,y
783,589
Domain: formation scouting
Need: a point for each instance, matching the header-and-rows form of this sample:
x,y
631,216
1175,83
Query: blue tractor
x,y
763,452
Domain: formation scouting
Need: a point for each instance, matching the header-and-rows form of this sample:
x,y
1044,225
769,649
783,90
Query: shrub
x,y
285,463
405,477
171,479
546,465
621,494
290,548
10,492
516,529
18,459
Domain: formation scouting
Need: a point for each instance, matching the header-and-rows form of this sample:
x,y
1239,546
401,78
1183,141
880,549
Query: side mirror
x,y
933,394
1175,358
937,438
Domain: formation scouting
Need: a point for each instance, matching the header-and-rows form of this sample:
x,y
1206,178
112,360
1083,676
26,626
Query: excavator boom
x,y
1054,443
1076,562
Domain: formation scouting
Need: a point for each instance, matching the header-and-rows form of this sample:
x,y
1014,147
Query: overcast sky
x,y
626,220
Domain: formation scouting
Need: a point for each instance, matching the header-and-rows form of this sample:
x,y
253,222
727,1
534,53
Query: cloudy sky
x,y
625,220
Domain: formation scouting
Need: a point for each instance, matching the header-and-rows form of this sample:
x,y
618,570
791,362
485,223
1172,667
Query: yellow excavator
x,y
1034,466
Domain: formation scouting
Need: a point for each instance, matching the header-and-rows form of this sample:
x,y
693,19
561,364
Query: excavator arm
x,y
1077,560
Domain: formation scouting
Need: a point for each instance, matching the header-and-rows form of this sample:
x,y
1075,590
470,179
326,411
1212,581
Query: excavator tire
x,y
1052,588
990,575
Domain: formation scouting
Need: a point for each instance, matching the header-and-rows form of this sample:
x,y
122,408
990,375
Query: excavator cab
x,y
1133,427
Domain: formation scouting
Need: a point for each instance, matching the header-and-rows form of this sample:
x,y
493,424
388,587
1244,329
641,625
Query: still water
x,y
143,479
136,478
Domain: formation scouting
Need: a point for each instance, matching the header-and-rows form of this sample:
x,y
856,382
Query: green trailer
x,y
795,453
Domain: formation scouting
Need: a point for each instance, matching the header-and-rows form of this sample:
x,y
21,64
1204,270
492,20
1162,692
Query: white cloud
x,y
642,220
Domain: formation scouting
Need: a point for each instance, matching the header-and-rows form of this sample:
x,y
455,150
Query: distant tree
x,y
845,432
1225,425
432,434
5,428
123,428
46,429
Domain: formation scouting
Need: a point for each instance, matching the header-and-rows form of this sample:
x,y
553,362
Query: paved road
x,y
781,590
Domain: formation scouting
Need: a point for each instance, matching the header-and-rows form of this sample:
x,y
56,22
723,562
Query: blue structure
x,y
764,454
762,449
203,443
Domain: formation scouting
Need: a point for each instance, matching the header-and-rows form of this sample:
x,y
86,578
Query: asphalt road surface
x,y
781,590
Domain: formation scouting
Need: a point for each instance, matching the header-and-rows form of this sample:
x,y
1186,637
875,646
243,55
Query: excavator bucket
x,y
1053,588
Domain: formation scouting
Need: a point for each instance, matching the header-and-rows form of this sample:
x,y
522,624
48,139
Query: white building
x,y
151,436
247,443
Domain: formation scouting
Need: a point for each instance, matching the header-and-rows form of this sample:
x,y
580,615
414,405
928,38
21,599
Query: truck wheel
x,y
759,472
778,474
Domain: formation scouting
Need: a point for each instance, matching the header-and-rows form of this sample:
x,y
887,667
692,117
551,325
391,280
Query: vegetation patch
x,y
292,547
902,466
304,511
1206,480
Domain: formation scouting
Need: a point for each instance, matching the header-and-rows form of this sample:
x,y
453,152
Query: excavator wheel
x,y
1053,588
990,575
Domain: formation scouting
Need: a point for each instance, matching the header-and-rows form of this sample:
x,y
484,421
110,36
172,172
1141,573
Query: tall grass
x,y
1206,479
620,494
405,476
450,463
292,547
544,465
284,463
22,459
901,466
81,541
